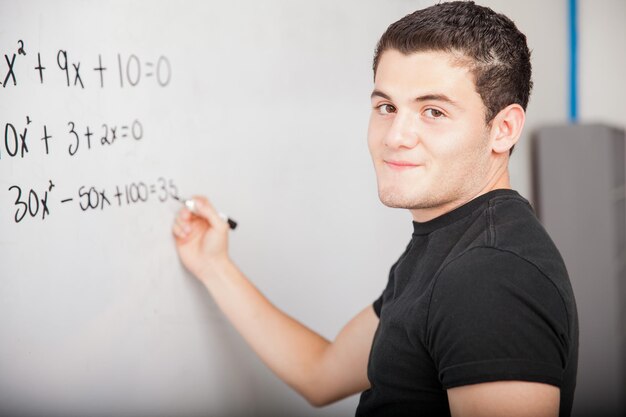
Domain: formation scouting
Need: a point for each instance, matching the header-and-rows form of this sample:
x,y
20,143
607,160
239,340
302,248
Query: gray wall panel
x,y
580,199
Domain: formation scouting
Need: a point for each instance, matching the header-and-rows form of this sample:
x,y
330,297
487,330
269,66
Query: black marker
x,y
191,205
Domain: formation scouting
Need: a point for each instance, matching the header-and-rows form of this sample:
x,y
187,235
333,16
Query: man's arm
x,y
319,370
499,328
505,398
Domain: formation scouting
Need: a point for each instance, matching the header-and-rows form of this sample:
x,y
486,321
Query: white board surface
x,y
262,106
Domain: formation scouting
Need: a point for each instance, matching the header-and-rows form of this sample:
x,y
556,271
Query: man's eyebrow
x,y
426,97
378,93
437,97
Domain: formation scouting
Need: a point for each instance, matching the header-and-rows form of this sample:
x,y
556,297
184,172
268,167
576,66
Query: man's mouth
x,y
399,165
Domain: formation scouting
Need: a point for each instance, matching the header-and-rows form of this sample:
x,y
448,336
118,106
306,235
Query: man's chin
x,y
395,200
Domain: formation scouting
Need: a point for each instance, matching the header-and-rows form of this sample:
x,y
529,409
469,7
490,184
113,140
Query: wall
x,y
602,83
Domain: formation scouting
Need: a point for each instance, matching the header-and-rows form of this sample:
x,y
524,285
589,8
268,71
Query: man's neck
x,y
423,215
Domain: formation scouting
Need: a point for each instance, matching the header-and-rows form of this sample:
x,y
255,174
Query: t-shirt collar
x,y
459,212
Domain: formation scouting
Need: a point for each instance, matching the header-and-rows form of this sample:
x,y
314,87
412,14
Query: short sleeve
x,y
495,316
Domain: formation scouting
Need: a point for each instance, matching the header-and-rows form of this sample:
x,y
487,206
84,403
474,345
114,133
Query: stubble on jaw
x,y
460,183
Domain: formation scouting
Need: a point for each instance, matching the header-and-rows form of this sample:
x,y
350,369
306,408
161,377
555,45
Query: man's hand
x,y
201,238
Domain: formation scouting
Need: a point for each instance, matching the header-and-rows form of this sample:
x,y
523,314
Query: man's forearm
x,y
290,349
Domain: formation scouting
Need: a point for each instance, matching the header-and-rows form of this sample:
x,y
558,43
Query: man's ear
x,y
506,128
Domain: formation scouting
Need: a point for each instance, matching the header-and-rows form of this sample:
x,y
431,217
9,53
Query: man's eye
x,y
386,109
434,113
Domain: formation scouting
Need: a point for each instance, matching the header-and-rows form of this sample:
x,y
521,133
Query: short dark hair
x,y
488,43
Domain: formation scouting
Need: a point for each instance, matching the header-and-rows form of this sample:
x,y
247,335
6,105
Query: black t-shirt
x,y
480,294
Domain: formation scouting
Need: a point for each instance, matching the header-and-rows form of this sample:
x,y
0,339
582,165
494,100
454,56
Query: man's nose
x,y
403,132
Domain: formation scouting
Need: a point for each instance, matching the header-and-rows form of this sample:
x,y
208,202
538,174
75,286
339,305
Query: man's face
x,y
427,133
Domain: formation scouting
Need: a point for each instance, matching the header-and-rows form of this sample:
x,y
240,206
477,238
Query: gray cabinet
x,y
579,194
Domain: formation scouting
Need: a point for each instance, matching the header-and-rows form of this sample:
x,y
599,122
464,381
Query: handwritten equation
x,y
19,141
33,203
123,70
23,136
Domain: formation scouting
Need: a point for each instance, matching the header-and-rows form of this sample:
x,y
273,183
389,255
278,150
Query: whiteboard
x,y
108,110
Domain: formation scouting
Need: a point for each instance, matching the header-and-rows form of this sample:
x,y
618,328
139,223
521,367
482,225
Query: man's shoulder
x,y
505,221
503,234
513,227
511,220
509,248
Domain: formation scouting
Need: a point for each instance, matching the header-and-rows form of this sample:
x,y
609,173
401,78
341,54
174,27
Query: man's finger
x,y
203,208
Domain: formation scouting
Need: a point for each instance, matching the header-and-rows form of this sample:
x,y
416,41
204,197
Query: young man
x,y
478,317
